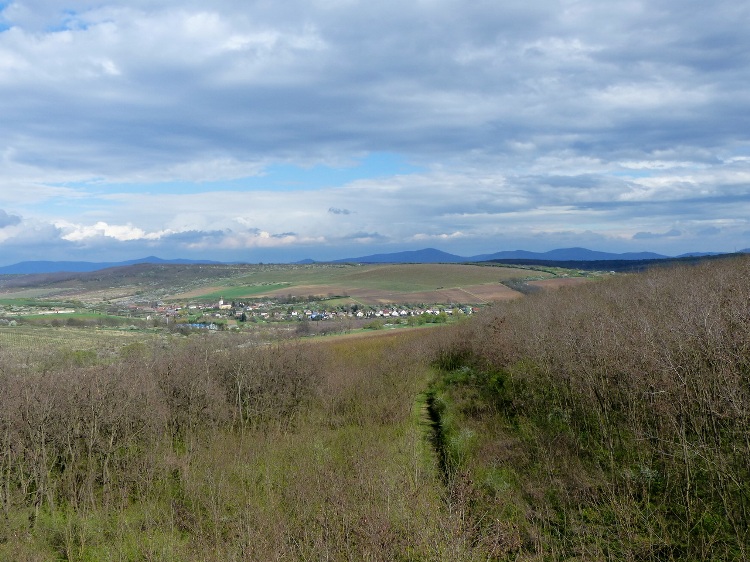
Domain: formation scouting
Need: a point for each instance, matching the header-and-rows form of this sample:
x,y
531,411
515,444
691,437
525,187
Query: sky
x,y
259,130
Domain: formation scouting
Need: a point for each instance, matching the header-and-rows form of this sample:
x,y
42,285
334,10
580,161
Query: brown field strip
x,y
558,282
493,292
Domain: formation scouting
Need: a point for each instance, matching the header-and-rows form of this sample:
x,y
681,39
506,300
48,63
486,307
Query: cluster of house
x,y
269,310
379,313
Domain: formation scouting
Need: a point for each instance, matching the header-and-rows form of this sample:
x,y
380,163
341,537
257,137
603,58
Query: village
x,y
156,309
224,315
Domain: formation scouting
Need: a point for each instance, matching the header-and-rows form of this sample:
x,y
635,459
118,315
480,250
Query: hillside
x,y
370,284
604,420
39,267
149,279
608,421
568,255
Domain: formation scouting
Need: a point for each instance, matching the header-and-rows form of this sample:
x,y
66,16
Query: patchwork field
x,y
365,284
374,284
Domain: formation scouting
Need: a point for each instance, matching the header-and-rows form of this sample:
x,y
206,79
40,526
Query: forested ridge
x,y
608,421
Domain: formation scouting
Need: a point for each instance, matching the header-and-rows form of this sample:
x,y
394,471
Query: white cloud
x,y
144,122
121,233
422,237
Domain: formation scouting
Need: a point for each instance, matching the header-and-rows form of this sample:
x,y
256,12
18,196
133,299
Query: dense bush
x,y
631,397
76,434
215,447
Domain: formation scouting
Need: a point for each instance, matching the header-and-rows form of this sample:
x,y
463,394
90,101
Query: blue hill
x,y
31,267
428,255
568,254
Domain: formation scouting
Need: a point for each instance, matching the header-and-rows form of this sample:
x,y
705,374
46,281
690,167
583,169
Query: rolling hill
x,y
426,255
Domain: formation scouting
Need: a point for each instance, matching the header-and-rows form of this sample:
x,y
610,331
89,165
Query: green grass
x,y
230,292
427,277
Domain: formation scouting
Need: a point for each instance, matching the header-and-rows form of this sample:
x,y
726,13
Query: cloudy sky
x,y
260,130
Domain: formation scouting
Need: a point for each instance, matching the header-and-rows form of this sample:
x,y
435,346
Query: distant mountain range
x,y
427,255
31,267
431,255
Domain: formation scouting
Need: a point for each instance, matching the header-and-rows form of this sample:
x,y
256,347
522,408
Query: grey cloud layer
x,y
534,118
131,86
8,220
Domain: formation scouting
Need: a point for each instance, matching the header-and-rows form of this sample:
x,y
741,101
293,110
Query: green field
x,y
243,291
31,300
63,317
398,277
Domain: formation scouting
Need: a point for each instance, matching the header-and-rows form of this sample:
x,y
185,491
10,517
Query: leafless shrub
x,y
652,375
83,436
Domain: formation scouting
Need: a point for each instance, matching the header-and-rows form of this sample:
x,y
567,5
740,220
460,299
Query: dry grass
x,y
35,345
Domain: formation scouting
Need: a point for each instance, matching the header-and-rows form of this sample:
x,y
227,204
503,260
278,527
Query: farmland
x,y
98,314
209,282
101,312
375,284
367,283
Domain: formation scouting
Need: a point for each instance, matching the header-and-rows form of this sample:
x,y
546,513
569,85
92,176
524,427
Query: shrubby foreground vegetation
x,y
208,451
611,421
604,422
